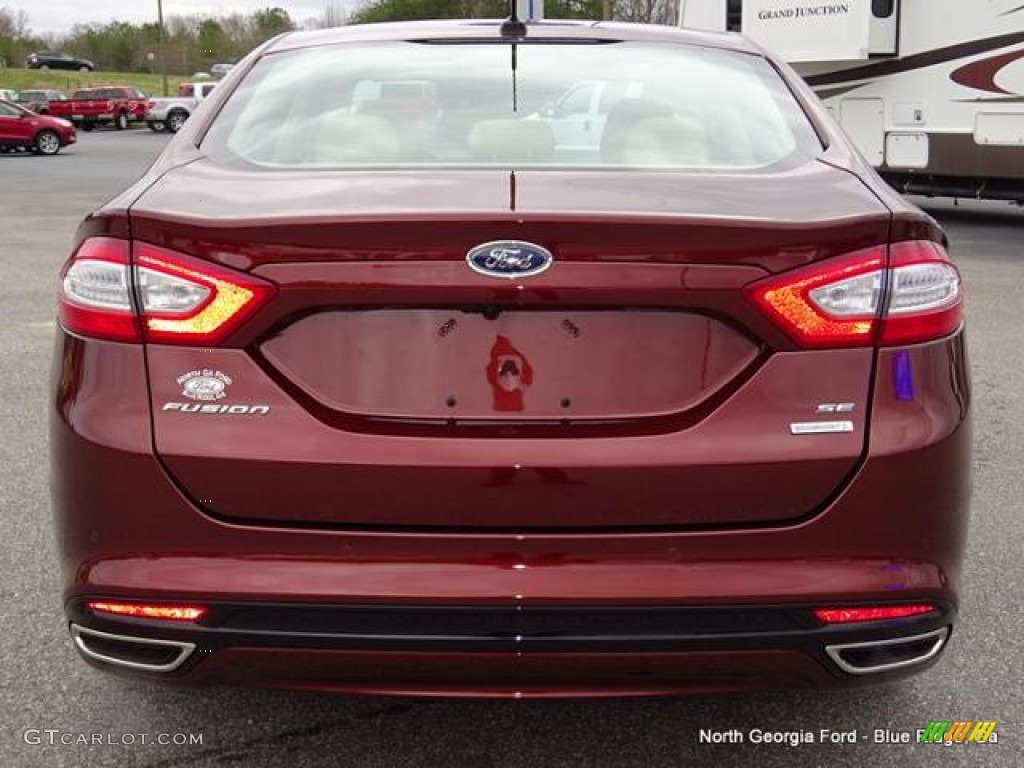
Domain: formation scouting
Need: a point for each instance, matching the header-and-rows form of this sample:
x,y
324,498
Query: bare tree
x,y
335,15
646,11
13,24
182,26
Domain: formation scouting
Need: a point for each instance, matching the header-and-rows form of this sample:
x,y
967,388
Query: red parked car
x,y
458,403
21,128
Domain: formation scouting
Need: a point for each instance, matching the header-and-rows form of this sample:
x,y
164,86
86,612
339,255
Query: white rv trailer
x,y
931,91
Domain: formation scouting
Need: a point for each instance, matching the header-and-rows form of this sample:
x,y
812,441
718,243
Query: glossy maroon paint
x,y
356,489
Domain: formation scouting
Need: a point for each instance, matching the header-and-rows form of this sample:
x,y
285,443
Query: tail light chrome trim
x,y
82,635
937,637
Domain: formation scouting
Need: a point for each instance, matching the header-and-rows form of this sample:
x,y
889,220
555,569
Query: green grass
x,y
26,79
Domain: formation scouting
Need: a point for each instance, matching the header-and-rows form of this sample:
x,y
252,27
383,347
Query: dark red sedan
x,y
21,128
466,359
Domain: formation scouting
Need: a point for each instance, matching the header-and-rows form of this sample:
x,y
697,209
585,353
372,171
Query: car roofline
x,y
489,30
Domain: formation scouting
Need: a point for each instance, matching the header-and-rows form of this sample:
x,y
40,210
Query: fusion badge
x,y
210,408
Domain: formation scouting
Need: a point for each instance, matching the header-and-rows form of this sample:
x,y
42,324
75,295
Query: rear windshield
x,y
545,105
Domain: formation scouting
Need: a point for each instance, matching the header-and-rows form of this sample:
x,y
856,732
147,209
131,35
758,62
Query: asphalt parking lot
x,y
44,687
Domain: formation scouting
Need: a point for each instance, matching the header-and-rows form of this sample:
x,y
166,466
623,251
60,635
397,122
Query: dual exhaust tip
x,y
886,655
162,656
140,653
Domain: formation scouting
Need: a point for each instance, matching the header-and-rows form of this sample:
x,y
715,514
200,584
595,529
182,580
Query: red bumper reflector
x,y
850,615
137,610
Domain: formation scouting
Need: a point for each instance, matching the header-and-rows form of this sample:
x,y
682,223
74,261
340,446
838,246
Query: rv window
x,y
883,9
734,20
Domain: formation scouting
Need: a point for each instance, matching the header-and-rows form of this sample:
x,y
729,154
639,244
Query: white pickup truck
x,y
579,116
169,114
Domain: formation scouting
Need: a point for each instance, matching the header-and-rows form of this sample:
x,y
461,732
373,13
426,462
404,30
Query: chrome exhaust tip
x,y
140,653
885,655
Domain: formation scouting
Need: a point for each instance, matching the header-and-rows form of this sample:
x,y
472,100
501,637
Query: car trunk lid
x,y
631,385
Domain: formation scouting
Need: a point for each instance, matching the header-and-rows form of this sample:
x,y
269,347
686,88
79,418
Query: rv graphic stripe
x,y
919,60
982,74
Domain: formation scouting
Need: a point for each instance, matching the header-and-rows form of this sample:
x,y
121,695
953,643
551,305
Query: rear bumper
x,y
506,650
509,675
895,534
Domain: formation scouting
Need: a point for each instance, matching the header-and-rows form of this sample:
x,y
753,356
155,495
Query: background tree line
x,y
194,43
642,11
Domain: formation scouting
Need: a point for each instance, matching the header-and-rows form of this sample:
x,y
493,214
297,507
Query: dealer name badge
x,y
206,384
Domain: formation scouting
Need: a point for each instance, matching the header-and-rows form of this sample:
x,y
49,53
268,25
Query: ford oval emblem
x,y
509,258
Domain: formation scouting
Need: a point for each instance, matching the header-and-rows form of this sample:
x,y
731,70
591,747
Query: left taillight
x,y
167,297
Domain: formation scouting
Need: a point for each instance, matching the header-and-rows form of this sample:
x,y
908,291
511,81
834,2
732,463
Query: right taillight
x,y
925,297
856,300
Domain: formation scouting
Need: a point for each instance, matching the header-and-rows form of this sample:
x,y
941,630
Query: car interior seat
x,y
512,141
666,141
344,138
621,118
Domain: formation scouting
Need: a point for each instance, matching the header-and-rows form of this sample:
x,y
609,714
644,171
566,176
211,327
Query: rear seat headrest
x,y
666,141
512,140
342,137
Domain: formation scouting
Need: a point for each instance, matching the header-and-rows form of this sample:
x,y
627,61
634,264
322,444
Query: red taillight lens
x,y
873,613
95,292
826,305
926,301
187,301
168,298
840,302
143,611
